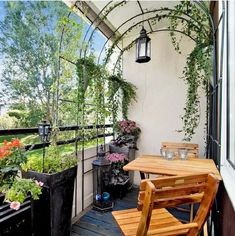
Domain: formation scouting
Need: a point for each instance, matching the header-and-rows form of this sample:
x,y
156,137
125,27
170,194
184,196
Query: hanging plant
x,y
93,81
121,94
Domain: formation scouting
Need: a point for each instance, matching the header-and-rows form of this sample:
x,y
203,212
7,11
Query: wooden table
x,y
155,164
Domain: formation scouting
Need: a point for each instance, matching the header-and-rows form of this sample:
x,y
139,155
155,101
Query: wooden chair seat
x,y
128,221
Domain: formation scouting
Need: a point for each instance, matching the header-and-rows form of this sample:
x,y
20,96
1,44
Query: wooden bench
x,y
151,216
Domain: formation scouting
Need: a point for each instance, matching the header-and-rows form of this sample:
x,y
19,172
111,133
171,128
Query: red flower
x,y
7,147
4,151
16,143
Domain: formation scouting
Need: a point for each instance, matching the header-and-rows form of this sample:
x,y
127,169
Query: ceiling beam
x,y
90,11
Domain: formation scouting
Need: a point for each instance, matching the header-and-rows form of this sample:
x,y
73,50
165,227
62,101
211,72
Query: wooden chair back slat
x,y
193,149
169,181
176,201
178,190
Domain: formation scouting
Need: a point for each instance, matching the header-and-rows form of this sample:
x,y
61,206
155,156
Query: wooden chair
x,y
193,151
152,217
191,147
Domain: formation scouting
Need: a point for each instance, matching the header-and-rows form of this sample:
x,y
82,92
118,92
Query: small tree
x,y
30,43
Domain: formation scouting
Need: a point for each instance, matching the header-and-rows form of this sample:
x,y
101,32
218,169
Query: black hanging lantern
x,y
143,47
101,179
44,131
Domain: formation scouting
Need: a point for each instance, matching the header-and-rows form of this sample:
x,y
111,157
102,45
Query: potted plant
x,y
119,178
125,143
51,215
14,188
128,134
15,192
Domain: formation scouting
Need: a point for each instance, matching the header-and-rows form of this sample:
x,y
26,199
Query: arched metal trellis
x,y
213,138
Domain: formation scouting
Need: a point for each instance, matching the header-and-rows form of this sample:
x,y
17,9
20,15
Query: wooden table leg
x,y
142,175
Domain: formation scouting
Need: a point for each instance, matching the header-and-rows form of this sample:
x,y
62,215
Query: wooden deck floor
x,y
94,223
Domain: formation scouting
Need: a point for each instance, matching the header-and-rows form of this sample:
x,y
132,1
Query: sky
x,y
98,41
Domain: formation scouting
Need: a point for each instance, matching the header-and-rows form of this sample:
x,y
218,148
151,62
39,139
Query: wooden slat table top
x,y
155,164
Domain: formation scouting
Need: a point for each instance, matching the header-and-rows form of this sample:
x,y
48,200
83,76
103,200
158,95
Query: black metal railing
x,y
100,132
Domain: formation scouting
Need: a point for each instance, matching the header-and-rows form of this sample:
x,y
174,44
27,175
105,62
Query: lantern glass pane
x,y
46,130
137,49
142,49
40,130
149,49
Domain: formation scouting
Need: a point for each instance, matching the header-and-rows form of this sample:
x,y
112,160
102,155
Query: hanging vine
x,y
93,81
198,68
189,20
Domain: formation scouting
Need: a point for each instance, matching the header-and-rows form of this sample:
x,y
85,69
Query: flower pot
x,y
51,214
130,152
14,222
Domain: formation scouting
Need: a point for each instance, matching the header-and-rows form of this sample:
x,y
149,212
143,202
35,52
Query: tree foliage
x,y
30,42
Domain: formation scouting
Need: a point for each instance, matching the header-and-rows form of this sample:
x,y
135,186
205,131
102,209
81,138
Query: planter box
x,y
14,222
130,152
51,214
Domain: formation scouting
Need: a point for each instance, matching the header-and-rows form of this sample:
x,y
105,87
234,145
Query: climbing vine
x,y
198,68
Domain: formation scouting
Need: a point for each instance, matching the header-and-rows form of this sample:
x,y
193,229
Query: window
x,y
231,83
227,167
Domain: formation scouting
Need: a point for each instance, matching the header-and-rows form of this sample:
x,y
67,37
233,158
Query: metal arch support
x,y
92,33
128,30
147,12
83,42
155,31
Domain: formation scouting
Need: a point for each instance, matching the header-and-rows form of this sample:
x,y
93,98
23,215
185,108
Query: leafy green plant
x,y
121,94
21,188
198,68
93,82
12,156
54,162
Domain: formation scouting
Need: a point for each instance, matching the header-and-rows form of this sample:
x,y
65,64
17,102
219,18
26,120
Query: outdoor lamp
x,y
143,47
44,131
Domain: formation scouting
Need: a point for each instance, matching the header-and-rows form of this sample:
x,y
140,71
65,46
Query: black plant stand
x,y
51,215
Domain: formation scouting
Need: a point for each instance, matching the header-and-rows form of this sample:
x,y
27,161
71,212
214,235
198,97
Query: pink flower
x,y
116,157
15,205
128,127
39,183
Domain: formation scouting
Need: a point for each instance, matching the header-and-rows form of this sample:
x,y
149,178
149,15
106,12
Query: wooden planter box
x,y
51,214
14,222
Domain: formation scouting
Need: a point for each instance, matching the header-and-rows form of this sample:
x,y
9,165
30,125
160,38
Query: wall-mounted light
x,y
143,47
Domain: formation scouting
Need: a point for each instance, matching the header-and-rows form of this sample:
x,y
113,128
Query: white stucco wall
x,y
161,95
